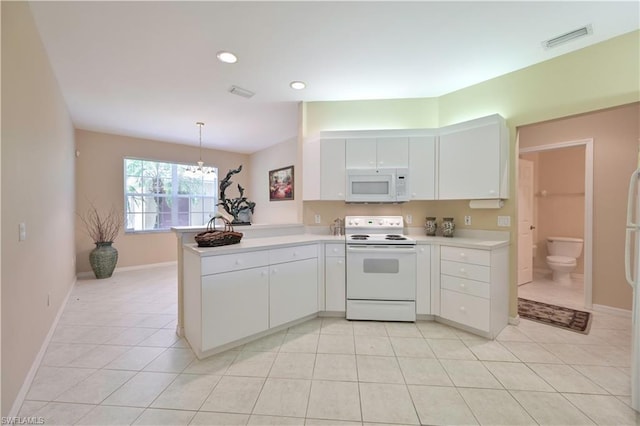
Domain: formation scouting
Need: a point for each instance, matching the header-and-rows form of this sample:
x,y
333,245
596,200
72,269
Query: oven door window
x,y
381,266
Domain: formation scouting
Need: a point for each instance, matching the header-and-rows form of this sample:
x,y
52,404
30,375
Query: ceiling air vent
x,y
564,38
241,92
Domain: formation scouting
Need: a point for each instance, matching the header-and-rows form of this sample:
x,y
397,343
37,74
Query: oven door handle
x,y
382,248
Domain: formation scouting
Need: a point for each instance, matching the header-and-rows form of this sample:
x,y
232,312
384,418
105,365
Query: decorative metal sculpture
x,y
240,208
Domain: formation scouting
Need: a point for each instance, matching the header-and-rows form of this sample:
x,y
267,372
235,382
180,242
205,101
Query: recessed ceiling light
x,y
227,57
298,85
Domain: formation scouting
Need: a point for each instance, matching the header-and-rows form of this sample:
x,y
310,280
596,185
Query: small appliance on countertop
x,y
381,269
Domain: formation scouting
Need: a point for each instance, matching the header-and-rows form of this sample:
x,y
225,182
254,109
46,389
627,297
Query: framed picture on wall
x,y
281,184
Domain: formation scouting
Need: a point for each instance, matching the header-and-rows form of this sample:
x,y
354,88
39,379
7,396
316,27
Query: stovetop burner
x,y
395,237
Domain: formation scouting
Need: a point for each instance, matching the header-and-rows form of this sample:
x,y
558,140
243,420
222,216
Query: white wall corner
x,y
514,320
612,311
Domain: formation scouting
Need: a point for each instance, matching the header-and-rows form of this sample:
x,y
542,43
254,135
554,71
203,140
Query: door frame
x,y
588,207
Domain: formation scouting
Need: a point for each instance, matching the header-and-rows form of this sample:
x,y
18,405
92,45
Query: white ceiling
x,y
148,69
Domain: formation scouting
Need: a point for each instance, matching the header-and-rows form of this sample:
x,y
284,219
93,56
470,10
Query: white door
x,y
392,153
360,153
525,221
422,167
332,169
293,291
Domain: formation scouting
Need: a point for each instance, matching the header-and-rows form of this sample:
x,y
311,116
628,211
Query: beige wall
x,y
281,155
38,190
99,179
559,198
615,133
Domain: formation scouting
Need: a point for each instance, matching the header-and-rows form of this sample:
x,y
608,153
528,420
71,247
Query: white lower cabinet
x,y
237,302
423,280
293,292
474,288
231,297
335,278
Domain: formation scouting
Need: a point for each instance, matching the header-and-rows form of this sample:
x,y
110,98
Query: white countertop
x,y
251,244
461,242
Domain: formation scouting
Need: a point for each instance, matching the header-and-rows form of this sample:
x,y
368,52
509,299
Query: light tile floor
x,y
543,289
115,359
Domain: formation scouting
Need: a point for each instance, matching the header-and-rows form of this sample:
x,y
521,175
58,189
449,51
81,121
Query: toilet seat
x,y
561,260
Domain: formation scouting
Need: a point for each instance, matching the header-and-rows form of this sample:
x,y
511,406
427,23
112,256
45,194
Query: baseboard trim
x,y
22,394
611,310
89,274
514,320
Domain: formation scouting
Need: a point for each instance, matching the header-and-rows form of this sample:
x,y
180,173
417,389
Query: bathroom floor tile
x,y
95,388
564,378
293,366
373,345
140,390
517,376
106,415
605,409
157,417
379,369
411,347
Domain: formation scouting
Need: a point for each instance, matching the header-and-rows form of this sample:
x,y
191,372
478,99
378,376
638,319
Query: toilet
x,y
563,252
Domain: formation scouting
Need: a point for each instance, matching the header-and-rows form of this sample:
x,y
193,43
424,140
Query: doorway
x,y
555,199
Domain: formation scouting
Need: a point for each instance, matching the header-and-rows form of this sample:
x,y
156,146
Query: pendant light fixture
x,y
200,162
200,168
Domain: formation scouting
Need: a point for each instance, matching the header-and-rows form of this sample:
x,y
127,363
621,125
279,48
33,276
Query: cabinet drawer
x,y
289,254
465,309
466,255
463,285
332,250
466,270
234,262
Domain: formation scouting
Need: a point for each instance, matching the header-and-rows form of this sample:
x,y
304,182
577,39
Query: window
x,y
161,195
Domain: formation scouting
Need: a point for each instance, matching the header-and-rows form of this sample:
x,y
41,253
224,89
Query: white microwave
x,y
377,185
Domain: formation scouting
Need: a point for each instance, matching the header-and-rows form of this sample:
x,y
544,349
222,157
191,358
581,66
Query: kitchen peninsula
x,y
280,275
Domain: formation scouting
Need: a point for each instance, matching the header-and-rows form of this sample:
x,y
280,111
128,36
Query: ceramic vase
x,y
430,226
448,227
103,259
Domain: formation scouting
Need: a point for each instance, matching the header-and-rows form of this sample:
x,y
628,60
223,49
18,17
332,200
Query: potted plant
x,y
103,230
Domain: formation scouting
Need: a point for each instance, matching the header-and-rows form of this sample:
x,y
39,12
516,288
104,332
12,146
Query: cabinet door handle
x,y
492,192
263,273
462,271
462,286
340,262
238,261
462,309
340,194
295,254
421,249
381,163
335,250
463,255
274,271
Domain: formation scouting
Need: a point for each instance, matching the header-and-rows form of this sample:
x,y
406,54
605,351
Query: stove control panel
x,y
374,222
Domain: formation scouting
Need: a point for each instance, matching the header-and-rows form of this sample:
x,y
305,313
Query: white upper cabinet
x,y
324,170
422,167
473,160
378,153
392,153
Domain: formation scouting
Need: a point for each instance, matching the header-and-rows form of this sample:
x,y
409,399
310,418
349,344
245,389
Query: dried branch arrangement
x,y
102,229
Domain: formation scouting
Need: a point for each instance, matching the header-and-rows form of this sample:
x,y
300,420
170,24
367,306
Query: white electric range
x,y
381,269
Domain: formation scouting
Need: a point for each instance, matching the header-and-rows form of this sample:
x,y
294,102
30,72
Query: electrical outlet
x,y
409,219
504,220
317,218
467,220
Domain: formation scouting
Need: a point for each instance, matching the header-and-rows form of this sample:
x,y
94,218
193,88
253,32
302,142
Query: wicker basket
x,y
213,237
